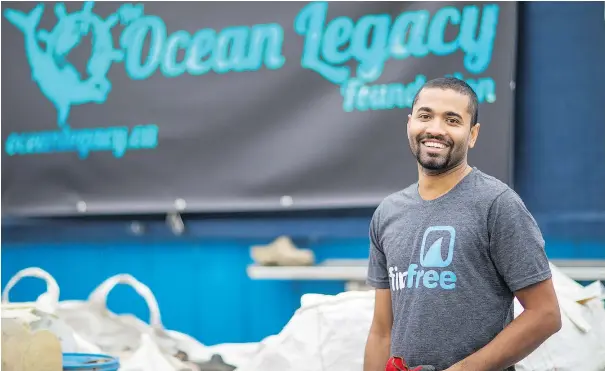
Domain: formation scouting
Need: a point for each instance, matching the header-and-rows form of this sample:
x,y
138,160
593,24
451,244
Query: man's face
x,y
439,129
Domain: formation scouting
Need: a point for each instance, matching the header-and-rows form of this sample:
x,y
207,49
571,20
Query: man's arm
x,y
540,319
517,250
378,346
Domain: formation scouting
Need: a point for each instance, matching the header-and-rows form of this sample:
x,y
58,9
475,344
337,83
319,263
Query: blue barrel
x,y
89,362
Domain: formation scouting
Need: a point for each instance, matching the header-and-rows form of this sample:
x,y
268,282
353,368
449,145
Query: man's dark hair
x,y
457,85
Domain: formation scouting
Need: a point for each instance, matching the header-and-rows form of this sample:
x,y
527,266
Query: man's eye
x,y
424,117
453,121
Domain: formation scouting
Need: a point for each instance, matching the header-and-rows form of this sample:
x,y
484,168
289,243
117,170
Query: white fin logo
x,y
432,257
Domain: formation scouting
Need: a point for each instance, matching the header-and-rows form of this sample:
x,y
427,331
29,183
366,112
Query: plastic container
x,y
89,362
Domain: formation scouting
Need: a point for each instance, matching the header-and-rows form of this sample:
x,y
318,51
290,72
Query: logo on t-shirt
x,y
432,272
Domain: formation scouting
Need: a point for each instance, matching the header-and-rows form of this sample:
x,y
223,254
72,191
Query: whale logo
x,y
47,51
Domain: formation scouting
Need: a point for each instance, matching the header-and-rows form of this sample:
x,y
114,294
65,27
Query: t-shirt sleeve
x,y
377,268
516,243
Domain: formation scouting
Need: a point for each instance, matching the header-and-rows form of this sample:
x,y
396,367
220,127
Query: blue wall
x,y
560,131
200,279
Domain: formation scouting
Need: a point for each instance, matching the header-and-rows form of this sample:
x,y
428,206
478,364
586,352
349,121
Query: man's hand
x,y
540,319
378,346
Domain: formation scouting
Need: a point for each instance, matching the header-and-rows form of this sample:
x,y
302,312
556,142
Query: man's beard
x,y
437,163
434,163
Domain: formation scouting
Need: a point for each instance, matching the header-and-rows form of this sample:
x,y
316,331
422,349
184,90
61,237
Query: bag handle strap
x,y
99,296
50,297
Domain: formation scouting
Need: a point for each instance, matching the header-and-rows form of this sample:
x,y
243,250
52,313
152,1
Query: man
x,y
449,253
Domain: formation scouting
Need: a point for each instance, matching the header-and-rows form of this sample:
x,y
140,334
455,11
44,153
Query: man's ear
x,y
408,125
474,135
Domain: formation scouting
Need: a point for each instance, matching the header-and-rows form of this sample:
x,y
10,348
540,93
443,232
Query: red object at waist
x,y
398,364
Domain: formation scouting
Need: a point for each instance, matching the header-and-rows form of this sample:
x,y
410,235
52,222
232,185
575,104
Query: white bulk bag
x,y
139,346
235,354
95,323
326,333
238,354
41,314
149,356
580,344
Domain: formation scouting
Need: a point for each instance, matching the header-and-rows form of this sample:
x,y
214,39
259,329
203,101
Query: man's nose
x,y
435,127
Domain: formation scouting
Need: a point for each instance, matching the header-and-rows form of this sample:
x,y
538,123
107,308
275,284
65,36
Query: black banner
x,y
223,106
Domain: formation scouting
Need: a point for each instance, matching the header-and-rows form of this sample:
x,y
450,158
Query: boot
x,y
283,252
215,363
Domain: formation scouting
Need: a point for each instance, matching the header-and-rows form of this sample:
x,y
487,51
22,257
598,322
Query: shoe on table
x,y
282,252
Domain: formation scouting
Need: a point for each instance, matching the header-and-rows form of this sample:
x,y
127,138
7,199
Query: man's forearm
x,y
519,339
377,352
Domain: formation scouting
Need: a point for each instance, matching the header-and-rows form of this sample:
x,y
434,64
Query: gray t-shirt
x,y
452,265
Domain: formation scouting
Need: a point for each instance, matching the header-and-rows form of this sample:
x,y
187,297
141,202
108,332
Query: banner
x,y
113,108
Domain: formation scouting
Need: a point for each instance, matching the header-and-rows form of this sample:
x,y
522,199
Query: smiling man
x,y
449,254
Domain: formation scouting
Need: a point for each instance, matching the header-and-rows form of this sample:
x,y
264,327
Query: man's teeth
x,y
434,145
